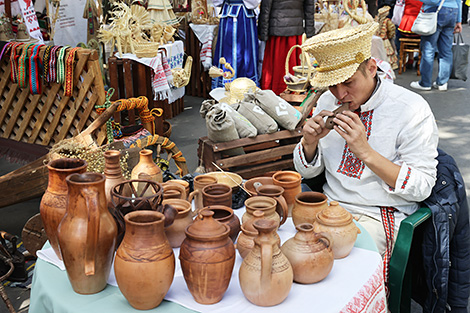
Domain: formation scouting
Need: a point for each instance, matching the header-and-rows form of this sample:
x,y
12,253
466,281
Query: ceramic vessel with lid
x,y
225,215
339,227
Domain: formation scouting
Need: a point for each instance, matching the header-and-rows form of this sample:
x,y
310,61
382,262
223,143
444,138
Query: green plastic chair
x,y
399,300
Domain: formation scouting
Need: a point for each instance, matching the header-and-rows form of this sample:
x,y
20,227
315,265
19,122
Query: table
x,y
354,284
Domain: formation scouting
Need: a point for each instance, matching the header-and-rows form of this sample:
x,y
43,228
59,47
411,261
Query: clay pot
x,y
338,226
146,168
265,204
112,171
266,275
213,194
182,183
144,263
54,200
87,233
246,239
173,191
307,205
252,184
275,192
309,254
290,181
225,215
175,232
207,258
201,181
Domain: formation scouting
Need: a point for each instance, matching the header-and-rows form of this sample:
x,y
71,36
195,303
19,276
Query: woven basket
x,y
305,70
327,16
146,49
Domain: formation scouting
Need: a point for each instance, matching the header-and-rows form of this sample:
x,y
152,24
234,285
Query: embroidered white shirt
x,y
401,127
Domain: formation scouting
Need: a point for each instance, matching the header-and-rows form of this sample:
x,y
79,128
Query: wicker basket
x,y
305,70
146,49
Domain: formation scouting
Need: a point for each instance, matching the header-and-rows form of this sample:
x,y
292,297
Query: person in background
x,y
464,12
411,11
448,22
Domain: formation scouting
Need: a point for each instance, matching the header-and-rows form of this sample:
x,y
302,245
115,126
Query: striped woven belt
x,y
68,87
34,64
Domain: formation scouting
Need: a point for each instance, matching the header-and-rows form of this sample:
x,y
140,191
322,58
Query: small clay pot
x,y
290,181
307,205
265,204
201,181
275,192
225,215
173,191
217,194
175,232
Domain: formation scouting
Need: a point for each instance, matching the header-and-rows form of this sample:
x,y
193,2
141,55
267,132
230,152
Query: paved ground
x,y
451,109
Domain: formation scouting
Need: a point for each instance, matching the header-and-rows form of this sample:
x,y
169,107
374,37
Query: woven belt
x,y
22,66
388,221
68,87
61,65
34,64
45,62
13,60
5,49
52,72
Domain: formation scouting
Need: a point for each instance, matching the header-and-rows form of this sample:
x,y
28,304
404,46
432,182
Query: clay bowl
x,y
228,178
250,184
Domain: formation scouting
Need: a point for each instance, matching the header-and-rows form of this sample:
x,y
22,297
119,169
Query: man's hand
x,y
458,28
350,127
313,130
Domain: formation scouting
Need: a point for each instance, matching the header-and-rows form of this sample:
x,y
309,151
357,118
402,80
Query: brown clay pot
x,y
307,205
146,168
144,263
213,194
54,200
173,191
207,258
175,232
309,254
183,183
266,275
225,215
262,203
290,181
87,233
112,171
201,181
275,192
338,226
252,184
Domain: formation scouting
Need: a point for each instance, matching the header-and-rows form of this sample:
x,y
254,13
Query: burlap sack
x,y
244,127
264,123
221,128
206,106
279,109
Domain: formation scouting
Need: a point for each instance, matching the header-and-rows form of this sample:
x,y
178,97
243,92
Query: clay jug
x,y
310,255
275,192
173,191
262,203
144,263
225,215
146,168
338,226
290,181
266,275
87,233
213,194
184,217
54,200
183,183
112,171
201,181
307,205
207,258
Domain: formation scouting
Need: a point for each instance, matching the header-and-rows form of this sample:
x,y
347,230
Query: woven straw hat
x,y
339,53
238,88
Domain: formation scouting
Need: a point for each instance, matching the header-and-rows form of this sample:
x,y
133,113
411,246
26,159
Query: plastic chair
x,y
400,268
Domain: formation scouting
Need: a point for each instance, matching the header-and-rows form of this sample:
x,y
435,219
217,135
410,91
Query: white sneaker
x,y
440,87
416,85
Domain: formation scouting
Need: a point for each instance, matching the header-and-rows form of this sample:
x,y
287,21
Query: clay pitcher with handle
x,y
266,275
54,201
87,233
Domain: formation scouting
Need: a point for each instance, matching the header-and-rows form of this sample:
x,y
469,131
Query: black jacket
x,y
446,242
286,18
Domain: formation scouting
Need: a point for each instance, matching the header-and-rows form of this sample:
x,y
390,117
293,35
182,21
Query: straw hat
x,y
238,88
339,53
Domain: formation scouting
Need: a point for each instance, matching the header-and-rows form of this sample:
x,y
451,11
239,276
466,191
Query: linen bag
x,y
242,124
459,58
206,106
221,128
279,109
264,123
426,22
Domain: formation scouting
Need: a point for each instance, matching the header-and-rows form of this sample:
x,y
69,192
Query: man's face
x,y
358,88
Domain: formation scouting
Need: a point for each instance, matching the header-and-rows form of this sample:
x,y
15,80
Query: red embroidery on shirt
x,y
406,178
350,165
300,155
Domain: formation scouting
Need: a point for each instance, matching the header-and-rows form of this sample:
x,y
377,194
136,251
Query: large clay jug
x,y
54,200
146,168
338,226
112,171
207,258
307,205
290,181
87,233
184,217
310,255
275,192
262,203
144,263
266,275
225,215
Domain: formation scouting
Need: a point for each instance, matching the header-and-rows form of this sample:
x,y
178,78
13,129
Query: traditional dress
x,y
237,40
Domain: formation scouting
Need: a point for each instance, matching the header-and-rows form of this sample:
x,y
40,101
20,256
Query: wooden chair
x,y
408,46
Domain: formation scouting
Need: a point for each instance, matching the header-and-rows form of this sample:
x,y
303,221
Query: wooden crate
x,y
263,153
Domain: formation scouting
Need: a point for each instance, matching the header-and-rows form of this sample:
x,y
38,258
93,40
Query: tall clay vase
x,y
309,254
290,181
54,200
87,233
146,168
266,275
112,171
144,263
307,205
207,258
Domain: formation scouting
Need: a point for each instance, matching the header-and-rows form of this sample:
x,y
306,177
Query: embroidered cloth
x,y
205,35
